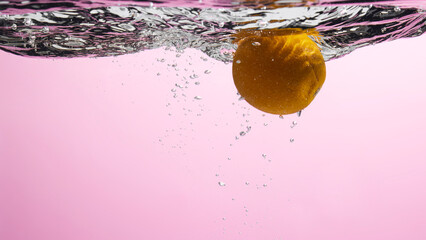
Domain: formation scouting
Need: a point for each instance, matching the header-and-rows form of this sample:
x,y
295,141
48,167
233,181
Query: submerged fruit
x,y
278,72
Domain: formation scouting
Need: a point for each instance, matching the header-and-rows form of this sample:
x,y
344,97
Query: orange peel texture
x,y
278,72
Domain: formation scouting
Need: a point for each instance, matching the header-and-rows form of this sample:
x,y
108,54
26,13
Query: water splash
x,y
115,30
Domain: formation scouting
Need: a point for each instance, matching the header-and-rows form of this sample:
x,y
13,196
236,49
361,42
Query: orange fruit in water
x,y
278,72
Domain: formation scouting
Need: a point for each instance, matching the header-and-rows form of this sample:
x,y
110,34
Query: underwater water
x,y
120,120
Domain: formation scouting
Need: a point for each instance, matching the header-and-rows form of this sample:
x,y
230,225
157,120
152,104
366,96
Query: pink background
x,y
100,149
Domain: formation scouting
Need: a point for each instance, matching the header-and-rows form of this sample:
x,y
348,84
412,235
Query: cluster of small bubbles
x,y
383,29
193,76
31,40
222,184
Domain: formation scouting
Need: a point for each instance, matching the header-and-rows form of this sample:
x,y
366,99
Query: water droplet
x,y
222,184
256,44
291,140
197,98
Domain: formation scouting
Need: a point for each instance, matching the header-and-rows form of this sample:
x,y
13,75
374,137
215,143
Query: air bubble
x,y
45,30
256,44
207,72
242,133
238,61
222,184
291,140
262,23
14,27
198,98
28,22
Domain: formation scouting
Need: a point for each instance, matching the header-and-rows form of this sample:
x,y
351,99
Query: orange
x,y
278,72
